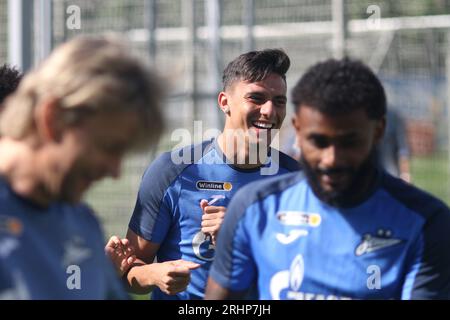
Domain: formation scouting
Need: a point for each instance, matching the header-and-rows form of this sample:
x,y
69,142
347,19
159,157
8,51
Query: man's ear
x,y
297,127
295,123
379,130
222,100
49,124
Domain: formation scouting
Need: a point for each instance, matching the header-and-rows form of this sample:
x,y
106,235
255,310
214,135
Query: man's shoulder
x,y
416,199
170,164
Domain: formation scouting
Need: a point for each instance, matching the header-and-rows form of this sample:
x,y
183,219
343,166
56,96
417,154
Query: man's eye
x,y
256,99
280,102
320,142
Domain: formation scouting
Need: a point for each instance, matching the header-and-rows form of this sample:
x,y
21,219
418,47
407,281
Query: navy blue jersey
x,y
168,210
394,244
52,253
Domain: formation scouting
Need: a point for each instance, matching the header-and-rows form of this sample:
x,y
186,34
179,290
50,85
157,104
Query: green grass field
x,y
432,173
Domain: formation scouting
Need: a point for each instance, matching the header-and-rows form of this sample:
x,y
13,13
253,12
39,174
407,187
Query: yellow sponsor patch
x,y
214,185
299,218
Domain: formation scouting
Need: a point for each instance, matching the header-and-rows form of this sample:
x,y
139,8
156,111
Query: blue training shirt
x,y
52,253
394,244
168,210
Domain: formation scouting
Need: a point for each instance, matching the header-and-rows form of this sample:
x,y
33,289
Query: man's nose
x,y
330,157
267,109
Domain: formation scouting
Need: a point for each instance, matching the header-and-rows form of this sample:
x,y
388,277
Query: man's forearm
x,y
139,279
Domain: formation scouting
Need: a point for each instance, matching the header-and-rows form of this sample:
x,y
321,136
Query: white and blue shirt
x,y
168,210
393,244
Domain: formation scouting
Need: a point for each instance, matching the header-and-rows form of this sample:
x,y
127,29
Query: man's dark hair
x,y
255,66
9,81
337,87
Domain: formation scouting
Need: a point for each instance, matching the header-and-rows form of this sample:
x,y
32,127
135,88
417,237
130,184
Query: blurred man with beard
x,y
343,228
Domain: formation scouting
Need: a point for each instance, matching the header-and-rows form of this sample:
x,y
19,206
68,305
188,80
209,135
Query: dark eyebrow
x,y
316,136
348,135
343,136
252,93
281,97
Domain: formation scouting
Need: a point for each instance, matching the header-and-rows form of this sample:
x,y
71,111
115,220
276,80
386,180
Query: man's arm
x,y
171,277
428,276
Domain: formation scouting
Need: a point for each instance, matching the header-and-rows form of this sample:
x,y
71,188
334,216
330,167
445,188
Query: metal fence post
x,y
339,29
214,21
19,29
44,29
248,17
150,25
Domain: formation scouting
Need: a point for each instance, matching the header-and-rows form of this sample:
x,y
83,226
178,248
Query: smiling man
x,y
180,206
68,125
343,228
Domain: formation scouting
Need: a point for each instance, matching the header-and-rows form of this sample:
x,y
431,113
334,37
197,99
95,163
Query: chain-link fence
x,y
404,41
3,31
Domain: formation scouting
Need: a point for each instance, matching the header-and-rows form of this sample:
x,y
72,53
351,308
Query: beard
x,y
359,185
74,185
68,191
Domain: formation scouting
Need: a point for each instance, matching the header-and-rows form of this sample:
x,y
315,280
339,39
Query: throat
x,y
241,155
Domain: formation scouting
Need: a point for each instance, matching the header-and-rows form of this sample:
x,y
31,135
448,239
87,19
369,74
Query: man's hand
x,y
172,277
121,253
212,219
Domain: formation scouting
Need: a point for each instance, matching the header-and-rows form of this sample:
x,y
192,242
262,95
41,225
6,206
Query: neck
x,y
238,154
27,168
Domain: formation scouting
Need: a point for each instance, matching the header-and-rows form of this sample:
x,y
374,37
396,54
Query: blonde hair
x,y
88,73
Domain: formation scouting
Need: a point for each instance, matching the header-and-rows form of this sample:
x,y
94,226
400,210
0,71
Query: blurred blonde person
x,y
67,126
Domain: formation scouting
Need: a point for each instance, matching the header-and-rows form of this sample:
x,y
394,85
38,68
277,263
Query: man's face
x,y
93,150
335,150
256,108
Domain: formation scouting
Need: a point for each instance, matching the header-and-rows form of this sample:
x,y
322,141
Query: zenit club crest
x,y
214,185
381,240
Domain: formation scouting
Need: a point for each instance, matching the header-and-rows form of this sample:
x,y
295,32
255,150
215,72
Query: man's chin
x,y
74,195
335,188
331,193
331,196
